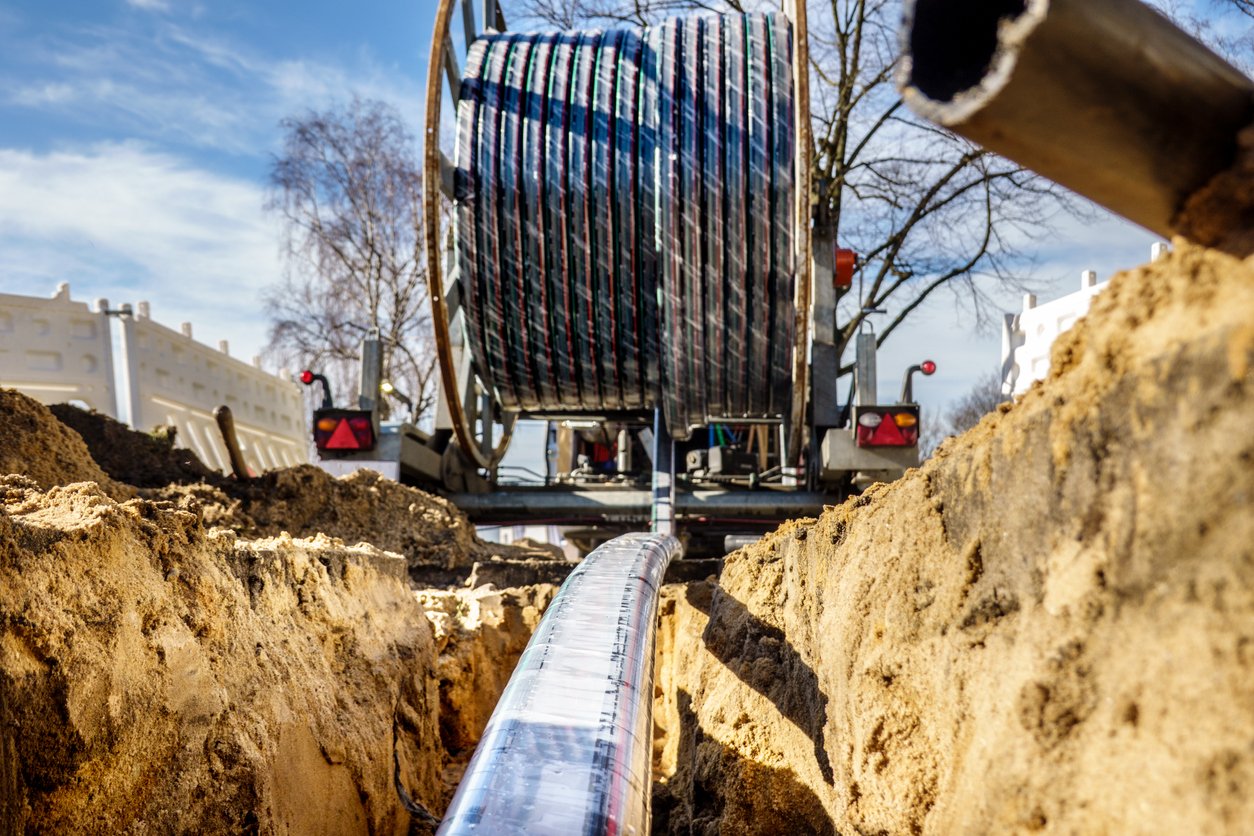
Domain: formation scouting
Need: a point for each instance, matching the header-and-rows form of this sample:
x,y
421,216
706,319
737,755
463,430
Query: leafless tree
x,y
983,397
1226,26
348,190
925,209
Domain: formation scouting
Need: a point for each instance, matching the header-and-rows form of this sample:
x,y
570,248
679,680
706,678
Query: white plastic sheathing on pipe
x,y
568,749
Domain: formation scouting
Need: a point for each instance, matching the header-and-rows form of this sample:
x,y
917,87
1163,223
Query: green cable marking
x,y
611,178
480,245
637,198
511,359
694,262
771,278
550,261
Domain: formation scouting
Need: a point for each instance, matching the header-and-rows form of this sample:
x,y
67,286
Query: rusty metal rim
x,y
435,274
802,241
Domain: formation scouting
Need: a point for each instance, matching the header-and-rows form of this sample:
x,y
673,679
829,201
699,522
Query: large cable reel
x,y
626,217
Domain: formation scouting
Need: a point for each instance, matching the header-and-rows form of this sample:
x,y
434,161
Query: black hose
x,y
624,218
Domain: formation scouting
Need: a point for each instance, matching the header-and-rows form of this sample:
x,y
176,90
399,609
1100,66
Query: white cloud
x,y
178,84
129,223
150,5
47,93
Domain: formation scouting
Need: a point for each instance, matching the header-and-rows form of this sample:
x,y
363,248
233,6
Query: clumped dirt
x,y
225,657
1049,626
439,544
155,677
40,447
362,507
1221,213
144,460
436,539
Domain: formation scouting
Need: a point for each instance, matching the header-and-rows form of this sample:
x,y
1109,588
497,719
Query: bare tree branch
x,y
348,191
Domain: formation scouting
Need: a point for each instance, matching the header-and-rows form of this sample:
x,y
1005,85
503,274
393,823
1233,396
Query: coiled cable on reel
x,y
624,218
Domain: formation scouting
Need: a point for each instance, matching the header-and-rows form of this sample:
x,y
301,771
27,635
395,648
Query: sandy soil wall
x,y
1048,627
161,674
158,678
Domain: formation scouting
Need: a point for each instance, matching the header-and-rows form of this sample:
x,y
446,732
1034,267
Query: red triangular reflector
x,y
887,434
343,438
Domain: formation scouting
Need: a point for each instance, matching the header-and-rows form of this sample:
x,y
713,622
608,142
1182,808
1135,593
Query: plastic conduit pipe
x,y
568,749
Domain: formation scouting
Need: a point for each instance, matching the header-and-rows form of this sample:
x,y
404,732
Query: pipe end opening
x,y
953,43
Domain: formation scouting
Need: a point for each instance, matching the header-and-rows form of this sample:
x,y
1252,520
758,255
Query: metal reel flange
x,y
475,404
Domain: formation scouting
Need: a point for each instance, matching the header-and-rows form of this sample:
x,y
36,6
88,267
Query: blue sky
x,y
135,137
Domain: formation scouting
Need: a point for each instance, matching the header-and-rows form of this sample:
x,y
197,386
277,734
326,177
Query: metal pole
x,y
866,384
662,517
130,368
1109,99
371,371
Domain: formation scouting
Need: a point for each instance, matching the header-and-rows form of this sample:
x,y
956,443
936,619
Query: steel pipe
x,y
1109,99
568,749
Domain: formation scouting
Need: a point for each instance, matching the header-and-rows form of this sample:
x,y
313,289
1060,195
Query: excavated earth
x,y
180,652
1047,627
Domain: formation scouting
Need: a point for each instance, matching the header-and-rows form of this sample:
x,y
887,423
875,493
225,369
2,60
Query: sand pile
x,y
438,542
159,674
160,678
362,507
1050,626
40,447
144,460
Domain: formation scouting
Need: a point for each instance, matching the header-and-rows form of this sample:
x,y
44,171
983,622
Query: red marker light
x,y
887,427
343,438
343,430
306,377
927,367
846,263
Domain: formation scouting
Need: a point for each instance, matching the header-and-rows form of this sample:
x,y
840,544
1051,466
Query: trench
x,y
1030,632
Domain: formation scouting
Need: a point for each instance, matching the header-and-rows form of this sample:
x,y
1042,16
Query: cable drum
x,y
624,218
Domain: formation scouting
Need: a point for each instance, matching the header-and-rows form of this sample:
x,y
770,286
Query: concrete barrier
x,y
58,350
179,381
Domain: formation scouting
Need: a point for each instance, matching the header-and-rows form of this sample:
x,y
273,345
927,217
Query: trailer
x,y
672,323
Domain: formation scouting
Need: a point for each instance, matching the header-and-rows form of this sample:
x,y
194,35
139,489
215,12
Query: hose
x,y
624,218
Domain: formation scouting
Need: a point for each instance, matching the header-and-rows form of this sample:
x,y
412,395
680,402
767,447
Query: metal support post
x,y
371,371
130,367
663,514
866,387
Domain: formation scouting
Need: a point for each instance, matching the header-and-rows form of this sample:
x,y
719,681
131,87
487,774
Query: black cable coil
x,y
624,218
